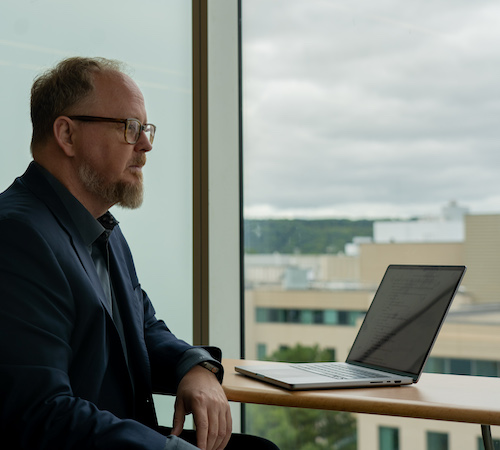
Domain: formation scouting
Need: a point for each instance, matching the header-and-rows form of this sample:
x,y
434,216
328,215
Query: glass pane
x,y
437,441
486,368
370,139
460,367
306,316
480,444
157,48
388,438
436,365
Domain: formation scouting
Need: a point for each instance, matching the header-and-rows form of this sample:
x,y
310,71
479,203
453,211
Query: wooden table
x,y
454,398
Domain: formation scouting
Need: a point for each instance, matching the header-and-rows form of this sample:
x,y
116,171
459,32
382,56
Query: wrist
x,y
209,366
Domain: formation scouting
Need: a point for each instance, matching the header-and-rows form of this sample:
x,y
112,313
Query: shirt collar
x,y
89,228
108,221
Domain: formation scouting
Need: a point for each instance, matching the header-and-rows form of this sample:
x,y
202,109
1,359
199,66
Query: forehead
x,y
117,95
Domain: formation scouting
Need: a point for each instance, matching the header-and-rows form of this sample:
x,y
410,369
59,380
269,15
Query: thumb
x,y
179,418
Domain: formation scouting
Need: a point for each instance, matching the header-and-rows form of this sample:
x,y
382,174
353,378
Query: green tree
x,y
301,353
302,236
297,428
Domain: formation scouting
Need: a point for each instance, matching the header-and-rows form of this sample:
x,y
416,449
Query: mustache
x,y
140,161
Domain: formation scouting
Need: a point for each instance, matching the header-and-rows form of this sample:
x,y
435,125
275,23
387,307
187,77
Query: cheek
x,y
111,162
120,167
107,156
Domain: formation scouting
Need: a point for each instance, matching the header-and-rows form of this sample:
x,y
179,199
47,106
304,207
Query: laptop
x,y
394,340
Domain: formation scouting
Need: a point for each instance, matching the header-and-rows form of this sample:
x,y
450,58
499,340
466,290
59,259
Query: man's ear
x,y
64,129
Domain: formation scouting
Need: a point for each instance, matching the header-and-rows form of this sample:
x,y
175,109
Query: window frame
x,y
217,180
217,237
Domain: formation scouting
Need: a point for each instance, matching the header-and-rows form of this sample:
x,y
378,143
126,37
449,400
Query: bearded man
x,y
81,350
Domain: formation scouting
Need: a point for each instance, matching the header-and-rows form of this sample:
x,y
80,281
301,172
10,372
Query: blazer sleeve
x,y
169,358
37,406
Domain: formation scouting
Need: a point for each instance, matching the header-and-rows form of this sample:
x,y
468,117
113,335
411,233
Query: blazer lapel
x,y
41,188
130,304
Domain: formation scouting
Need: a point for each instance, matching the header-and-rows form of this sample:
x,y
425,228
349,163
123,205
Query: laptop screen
x,y
405,317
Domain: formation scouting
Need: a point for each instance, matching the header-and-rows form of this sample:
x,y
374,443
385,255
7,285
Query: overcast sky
x,y
368,109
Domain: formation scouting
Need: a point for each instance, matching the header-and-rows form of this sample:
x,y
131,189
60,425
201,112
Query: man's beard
x,y
127,195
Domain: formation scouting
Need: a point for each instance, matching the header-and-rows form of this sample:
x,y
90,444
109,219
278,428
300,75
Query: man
x,y
81,350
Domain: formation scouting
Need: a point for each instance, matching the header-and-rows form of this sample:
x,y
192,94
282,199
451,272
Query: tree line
x,y
302,236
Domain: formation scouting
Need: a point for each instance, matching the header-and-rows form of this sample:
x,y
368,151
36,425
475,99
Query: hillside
x,y
302,236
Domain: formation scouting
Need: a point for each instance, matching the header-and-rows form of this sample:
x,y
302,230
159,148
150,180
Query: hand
x,y
201,394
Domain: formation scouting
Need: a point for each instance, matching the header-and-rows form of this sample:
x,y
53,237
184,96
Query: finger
x,y
179,418
225,430
202,423
213,433
220,433
221,430
229,429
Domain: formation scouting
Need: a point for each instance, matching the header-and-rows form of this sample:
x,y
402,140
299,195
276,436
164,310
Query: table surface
x,y
456,398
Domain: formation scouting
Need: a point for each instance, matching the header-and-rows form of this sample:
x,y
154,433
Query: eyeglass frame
x,y
124,121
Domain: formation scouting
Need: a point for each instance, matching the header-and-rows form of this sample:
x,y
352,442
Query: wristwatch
x,y
209,366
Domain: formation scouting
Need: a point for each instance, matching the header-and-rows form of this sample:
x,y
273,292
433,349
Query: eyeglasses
x,y
133,127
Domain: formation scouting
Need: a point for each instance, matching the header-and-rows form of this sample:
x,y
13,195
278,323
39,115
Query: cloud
x,y
369,105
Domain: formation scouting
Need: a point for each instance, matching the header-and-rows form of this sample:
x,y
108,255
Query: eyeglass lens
x,y
133,131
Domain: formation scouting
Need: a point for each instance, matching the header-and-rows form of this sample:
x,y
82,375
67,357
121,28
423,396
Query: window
x,y
331,317
436,365
35,38
365,129
463,367
307,316
261,351
487,368
460,366
437,441
388,438
480,444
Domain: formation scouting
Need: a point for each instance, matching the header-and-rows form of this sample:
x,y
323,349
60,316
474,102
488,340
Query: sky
x,y
365,109
350,109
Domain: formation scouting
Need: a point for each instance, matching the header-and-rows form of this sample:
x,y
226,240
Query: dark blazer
x,y
65,380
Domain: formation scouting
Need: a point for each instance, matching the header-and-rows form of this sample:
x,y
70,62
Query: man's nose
x,y
143,144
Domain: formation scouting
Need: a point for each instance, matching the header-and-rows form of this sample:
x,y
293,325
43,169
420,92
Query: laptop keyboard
x,y
338,371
